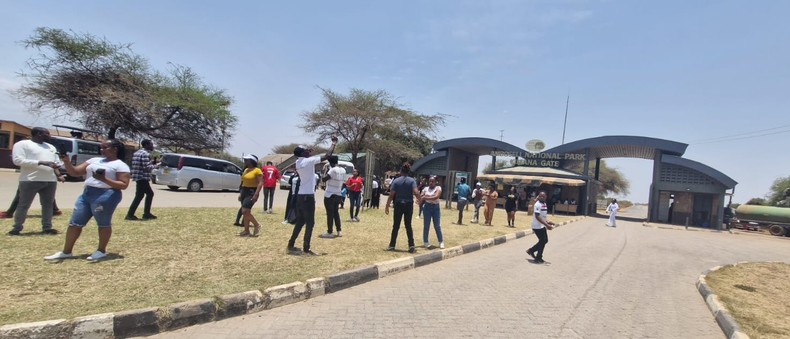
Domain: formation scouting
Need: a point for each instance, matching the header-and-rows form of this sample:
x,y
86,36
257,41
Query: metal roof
x,y
479,146
622,146
699,167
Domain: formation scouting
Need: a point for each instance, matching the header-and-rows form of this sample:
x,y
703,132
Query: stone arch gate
x,y
682,191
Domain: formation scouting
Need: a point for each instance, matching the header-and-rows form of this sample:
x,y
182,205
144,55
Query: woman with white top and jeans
x,y
431,211
106,177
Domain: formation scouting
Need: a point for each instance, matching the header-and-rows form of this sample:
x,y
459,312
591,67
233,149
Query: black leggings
x,y
403,209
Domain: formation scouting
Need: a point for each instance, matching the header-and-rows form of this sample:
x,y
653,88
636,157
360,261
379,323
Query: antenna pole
x,y
501,134
566,118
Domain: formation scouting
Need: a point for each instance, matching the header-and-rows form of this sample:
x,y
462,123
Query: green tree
x,y
613,182
757,201
373,120
103,85
779,191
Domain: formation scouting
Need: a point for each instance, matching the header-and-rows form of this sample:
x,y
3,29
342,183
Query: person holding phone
x,y
106,177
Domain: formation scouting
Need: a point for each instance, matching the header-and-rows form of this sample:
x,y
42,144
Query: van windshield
x,y
61,145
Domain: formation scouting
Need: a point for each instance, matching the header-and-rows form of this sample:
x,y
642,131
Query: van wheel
x,y
195,185
173,188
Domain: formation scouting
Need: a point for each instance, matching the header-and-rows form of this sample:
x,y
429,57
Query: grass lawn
x,y
192,253
756,294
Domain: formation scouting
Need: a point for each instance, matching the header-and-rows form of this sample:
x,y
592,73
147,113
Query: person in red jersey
x,y
271,177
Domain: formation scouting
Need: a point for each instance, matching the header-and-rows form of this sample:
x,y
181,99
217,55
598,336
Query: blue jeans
x,y
431,212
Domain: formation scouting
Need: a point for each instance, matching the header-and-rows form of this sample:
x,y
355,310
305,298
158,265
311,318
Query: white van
x,y
77,150
346,165
196,173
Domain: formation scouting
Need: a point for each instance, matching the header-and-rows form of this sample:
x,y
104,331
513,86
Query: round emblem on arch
x,y
535,145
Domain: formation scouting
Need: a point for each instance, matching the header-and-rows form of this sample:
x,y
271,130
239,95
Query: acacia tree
x,y
612,180
289,148
373,120
779,192
103,85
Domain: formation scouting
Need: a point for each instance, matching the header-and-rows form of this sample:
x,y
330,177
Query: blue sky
x,y
688,71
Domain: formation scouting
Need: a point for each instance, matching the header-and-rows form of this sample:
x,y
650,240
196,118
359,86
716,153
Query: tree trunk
x,y
111,134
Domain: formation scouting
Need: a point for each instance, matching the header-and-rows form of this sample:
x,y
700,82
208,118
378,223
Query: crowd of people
x,y
108,175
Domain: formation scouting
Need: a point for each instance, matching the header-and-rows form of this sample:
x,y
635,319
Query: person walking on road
x,y
271,176
464,192
305,198
142,165
354,185
612,210
334,183
403,191
491,199
431,212
106,177
38,162
540,224
249,191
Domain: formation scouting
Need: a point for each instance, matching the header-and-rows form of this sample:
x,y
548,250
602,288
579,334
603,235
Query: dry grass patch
x,y
756,294
191,253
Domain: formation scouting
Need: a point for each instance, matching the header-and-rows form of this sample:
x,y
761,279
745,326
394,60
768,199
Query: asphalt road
x,y
626,282
163,197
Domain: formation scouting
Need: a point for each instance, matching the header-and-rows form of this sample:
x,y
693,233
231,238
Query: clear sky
x,y
688,71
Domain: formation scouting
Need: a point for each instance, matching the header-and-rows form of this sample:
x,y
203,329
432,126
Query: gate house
x,y
683,191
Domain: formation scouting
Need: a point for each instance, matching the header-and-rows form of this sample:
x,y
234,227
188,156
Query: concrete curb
x,y
153,320
726,322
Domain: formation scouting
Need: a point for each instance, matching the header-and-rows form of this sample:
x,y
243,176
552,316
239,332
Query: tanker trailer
x,y
776,219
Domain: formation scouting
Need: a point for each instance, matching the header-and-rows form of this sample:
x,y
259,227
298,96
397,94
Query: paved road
x,y
626,282
69,191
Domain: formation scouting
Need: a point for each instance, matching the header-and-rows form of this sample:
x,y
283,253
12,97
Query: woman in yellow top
x,y
251,183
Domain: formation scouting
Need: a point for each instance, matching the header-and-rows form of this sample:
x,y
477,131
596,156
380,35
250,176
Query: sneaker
x,y
310,253
6,215
96,256
131,217
59,256
356,219
441,245
285,222
412,249
58,212
351,220
327,236
271,212
51,231
390,248
244,234
294,249
339,234
540,261
238,224
149,217
426,245
14,232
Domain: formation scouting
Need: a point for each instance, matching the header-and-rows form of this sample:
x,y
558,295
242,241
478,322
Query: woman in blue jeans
x,y
431,211
106,177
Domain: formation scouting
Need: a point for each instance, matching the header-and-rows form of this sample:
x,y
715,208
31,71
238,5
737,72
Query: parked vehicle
x,y
77,150
752,217
285,178
196,173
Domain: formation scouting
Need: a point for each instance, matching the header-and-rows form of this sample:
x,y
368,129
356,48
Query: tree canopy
x,y
289,148
104,85
373,120
613,182
779,191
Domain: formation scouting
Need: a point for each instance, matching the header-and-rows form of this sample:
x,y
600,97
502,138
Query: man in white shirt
x,y
334,183
305,198
539,226
612,210
37,161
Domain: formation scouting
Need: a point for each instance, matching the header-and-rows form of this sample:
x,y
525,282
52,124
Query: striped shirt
x,y
141,165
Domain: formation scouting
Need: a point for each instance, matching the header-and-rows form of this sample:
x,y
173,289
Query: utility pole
x,y
502,134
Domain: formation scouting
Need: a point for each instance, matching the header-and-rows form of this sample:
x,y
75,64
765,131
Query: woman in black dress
x,y
510,206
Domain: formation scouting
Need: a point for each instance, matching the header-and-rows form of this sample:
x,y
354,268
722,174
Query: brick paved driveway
x,y
626,282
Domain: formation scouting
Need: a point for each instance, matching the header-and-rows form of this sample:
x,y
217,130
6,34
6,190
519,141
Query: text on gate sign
x,y
542,156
